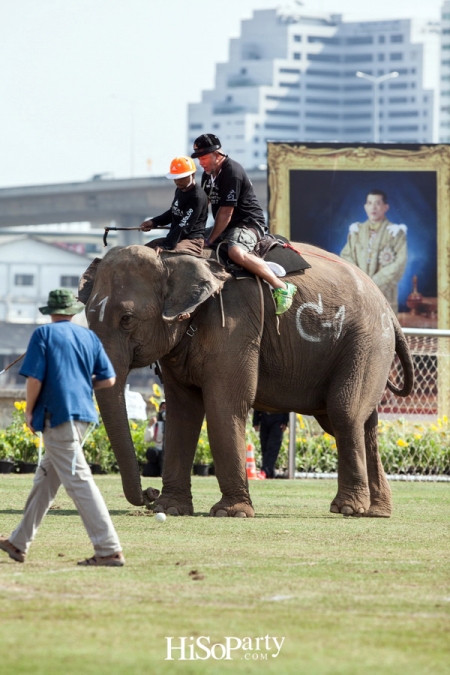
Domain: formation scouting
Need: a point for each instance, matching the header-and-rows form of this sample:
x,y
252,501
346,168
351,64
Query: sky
x,y
102,86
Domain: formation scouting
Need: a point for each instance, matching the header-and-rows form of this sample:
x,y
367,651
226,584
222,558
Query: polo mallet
x,y
108,229
11,364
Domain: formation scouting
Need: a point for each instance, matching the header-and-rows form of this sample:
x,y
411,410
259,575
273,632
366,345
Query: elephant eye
x,y
126,321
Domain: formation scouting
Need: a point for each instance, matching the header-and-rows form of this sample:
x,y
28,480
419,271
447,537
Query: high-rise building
x,y
444,132
292,76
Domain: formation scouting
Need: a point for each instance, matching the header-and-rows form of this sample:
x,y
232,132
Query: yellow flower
x,y
326,436
401,443
153,401
301,422
157,390
439,422
433,427
204,425
445,419
334,446
134,425
417,436
20,405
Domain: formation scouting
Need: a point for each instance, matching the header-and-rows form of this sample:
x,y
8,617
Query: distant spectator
x,y
154,434
271,427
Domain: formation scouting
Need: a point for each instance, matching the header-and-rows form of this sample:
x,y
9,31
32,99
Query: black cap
x,y
205,144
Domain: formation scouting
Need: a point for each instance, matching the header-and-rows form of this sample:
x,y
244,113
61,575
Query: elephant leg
x,y
380,491
226,430
325,423
353,496
184,417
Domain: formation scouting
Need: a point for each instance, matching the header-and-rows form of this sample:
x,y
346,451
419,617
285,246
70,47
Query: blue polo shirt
x,y
64,356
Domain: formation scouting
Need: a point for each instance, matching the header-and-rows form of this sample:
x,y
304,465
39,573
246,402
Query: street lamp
x,y
376,81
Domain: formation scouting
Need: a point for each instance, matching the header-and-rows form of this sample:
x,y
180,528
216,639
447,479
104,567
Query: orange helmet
x,y
180,167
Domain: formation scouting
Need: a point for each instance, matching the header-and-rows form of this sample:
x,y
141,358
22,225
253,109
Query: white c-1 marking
x,y
337,322
102,305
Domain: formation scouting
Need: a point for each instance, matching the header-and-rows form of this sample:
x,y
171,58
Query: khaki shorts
x,y
242,237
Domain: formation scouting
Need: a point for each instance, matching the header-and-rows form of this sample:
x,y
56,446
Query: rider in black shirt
x,y
238,218
188,214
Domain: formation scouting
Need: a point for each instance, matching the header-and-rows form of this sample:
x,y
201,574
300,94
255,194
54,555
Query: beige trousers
x,y
64,462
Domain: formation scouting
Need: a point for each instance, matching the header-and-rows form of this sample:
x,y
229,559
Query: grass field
x,y
349,596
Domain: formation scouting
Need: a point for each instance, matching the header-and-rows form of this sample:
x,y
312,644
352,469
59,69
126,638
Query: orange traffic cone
x,y
251,465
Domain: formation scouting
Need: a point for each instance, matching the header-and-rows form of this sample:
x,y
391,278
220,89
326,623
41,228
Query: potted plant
x,y
203,456
6,454
23,443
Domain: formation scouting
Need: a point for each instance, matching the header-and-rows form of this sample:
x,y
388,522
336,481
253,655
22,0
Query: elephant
x,y
222,350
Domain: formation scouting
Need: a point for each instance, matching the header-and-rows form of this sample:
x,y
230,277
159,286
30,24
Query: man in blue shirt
x,y
63,364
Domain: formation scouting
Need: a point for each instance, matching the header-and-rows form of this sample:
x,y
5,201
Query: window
x,y
324,73
195,125
287,99
243,71
25,280
297,38
360,40
323,101
292,71
297,56
398,85
333,58
323,40
256,154
323,130
358,58
286,113
396,56
404,113
357,87
69,281
323,115
396,38
446,31
404,128
380,57
282,127
358,101
398,99
381,39
356,116
216,125
357,130
291,85
256,139
351,73
325,87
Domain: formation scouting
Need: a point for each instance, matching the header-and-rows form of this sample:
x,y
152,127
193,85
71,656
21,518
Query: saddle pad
x,y
292,261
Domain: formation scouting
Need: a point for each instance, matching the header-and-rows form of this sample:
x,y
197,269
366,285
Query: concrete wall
x,y
7,398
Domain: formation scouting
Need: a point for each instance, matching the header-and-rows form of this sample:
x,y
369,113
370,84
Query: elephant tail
x,y
403,353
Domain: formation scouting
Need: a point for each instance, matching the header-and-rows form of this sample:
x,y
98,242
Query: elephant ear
x,y
87,281
191,281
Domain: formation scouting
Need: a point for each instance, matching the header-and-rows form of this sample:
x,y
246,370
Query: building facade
x,y
292,76
444,132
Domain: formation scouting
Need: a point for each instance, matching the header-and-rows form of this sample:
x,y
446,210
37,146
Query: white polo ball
x,y
160,517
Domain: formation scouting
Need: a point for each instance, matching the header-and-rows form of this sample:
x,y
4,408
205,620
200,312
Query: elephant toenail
x,y
172,511
158,509
221,513
347,510
240,514
334,508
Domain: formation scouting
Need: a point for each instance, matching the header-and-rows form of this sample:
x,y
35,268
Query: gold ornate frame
x,y
285,157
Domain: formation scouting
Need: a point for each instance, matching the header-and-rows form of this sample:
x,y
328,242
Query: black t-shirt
x,y
232,187
187,216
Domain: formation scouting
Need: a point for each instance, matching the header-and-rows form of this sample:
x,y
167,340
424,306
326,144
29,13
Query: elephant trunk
x,y
112,406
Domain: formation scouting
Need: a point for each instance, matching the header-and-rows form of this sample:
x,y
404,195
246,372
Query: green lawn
x,y
349,596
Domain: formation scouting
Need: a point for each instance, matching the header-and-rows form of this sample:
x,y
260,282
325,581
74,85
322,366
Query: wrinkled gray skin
x,y
331,359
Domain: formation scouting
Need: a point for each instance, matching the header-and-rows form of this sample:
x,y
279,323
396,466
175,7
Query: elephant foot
x,y
356,505
228,508
381,510
174,506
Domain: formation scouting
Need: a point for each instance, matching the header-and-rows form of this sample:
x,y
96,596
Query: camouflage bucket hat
x,y
62,301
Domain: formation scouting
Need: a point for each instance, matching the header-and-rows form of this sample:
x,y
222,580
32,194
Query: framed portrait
x,y
383,207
